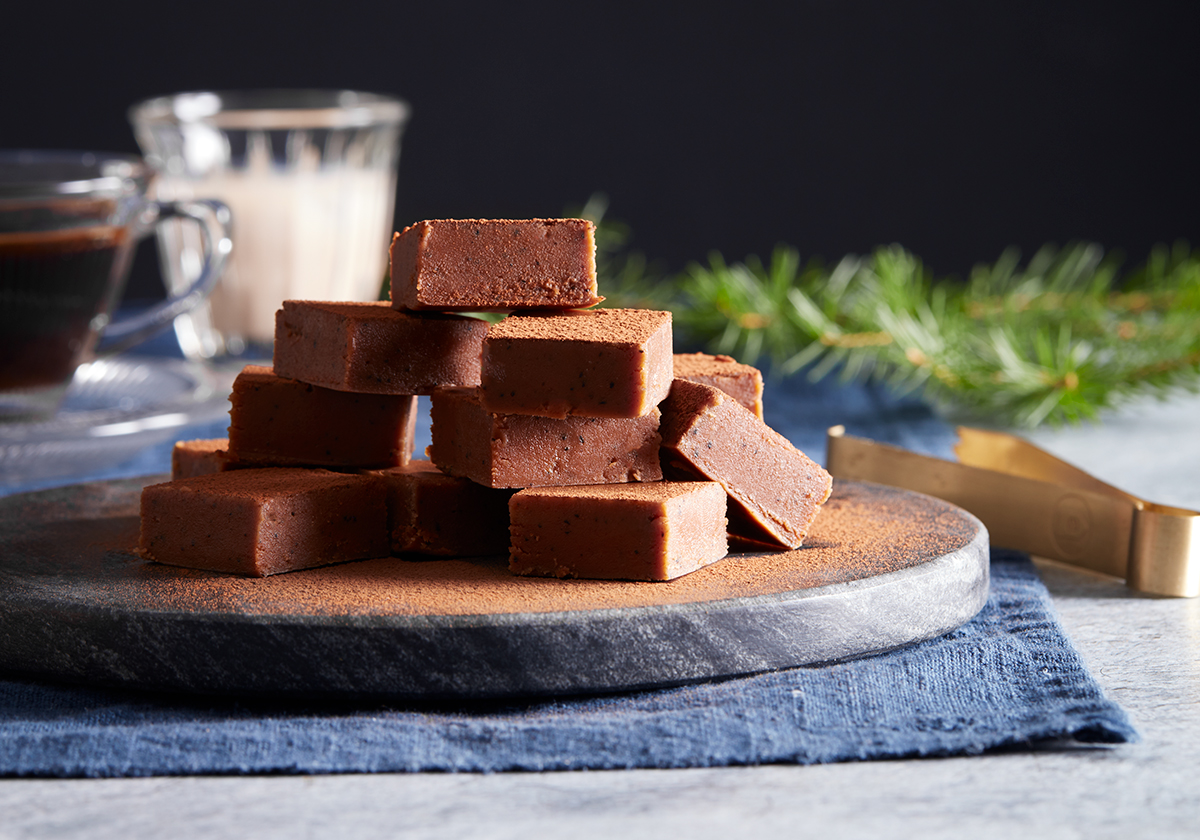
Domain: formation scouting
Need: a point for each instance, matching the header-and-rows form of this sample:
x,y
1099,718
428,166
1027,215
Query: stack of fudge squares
x,y
571,438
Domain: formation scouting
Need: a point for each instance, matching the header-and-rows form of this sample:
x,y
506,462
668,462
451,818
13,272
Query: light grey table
x,y
1144,651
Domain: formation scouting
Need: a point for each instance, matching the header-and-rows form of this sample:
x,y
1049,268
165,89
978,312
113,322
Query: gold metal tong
x,y
1032,501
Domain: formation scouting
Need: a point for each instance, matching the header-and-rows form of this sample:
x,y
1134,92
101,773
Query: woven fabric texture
x,y
1008,677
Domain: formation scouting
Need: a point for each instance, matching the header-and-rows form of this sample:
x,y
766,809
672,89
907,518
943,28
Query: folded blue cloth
x,y
1008,677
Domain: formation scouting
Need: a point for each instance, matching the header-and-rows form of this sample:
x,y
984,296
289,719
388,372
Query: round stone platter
x,y
880,568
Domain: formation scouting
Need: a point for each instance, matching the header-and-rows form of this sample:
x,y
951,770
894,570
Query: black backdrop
x,y
954,128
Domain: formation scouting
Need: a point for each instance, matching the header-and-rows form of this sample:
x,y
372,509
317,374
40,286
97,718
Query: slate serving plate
x,y
881,568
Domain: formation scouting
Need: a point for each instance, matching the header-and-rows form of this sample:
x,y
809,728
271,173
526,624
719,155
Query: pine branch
x,y
1055,340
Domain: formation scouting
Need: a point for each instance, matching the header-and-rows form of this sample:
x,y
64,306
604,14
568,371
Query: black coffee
x,y
52,284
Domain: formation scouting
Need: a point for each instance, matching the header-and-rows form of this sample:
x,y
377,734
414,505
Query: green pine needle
x,y
1056,340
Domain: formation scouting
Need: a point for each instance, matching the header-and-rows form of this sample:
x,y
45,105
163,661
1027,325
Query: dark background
x,y
955,129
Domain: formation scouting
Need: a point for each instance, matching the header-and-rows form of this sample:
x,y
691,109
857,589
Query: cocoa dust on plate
x,y
75,544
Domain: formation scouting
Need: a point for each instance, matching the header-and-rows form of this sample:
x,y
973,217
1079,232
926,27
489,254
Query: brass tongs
x,y
1032,501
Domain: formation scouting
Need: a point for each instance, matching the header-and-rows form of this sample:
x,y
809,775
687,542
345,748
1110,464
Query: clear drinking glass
x,y
310,177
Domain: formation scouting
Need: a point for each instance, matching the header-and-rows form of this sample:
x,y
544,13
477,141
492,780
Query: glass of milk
x,y
310,177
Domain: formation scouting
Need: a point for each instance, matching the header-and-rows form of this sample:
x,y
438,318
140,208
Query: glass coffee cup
x,y
69,222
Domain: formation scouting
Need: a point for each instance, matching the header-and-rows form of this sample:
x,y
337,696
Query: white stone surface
x,y
1144,651
1149,448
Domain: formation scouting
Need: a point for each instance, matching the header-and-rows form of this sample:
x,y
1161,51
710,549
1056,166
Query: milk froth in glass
x,y
310,177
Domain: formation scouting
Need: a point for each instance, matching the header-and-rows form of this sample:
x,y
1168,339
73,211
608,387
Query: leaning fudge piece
x,y
190,458
774,489
598,363
430,512
653,531
494,265
275,421
518,450
263,522
742,382
371,348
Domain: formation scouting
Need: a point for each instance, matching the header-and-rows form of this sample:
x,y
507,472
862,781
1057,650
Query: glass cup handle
x,y
213,218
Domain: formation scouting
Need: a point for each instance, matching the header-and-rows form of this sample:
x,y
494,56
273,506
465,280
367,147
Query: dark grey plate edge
x,y
506,655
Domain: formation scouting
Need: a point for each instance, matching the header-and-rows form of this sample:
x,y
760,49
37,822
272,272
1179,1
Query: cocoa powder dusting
x,y
608,326
862,531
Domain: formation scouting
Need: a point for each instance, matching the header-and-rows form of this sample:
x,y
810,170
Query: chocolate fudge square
x,y
519,450
263,522
653,532
775,490
275,421
494,265
371,348
597,363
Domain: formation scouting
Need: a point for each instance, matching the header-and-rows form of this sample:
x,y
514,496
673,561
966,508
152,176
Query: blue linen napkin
x,y
1008,677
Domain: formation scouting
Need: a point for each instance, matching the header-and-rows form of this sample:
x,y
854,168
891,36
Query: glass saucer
x,y
113,409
